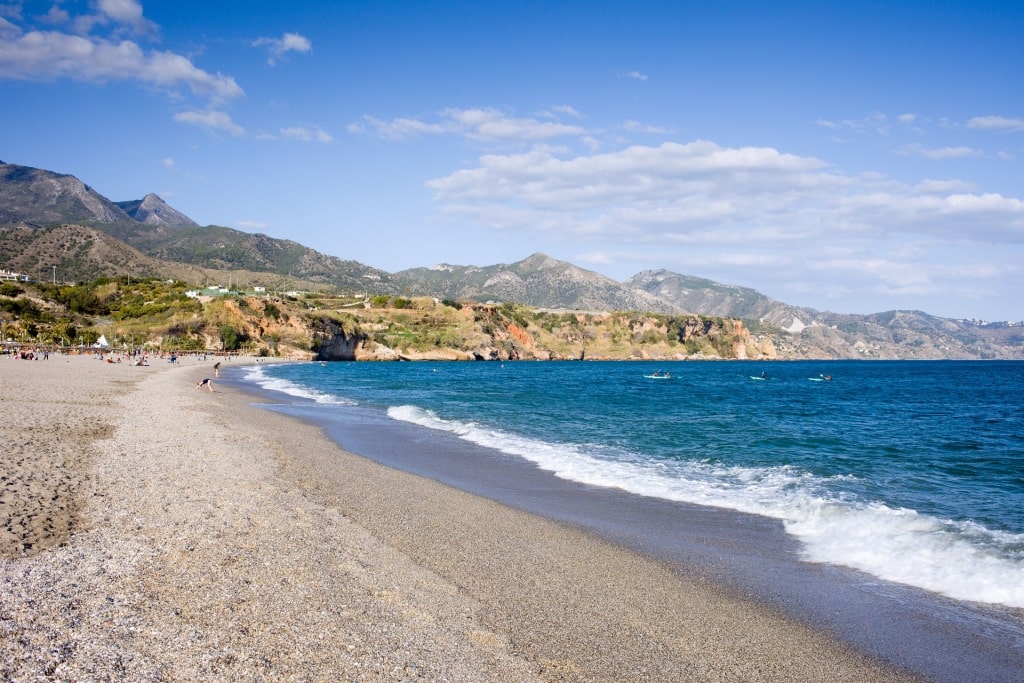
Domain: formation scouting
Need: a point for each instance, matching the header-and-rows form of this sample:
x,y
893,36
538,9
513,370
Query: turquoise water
x,y
910,471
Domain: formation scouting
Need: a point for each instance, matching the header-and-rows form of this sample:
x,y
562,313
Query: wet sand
x,y
156,532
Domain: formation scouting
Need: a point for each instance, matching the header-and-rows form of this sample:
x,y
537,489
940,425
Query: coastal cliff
x,y
425,329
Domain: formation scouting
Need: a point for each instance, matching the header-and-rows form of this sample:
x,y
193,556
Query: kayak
x,y
816,379
658,376
760,379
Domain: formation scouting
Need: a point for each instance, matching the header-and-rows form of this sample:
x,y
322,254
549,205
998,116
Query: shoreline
x,y
941,638
220,540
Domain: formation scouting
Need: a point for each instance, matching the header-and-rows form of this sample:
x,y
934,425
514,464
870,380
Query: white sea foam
x,y
964,561
255,374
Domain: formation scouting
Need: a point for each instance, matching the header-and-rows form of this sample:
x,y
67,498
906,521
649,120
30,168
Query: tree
x,y
232,339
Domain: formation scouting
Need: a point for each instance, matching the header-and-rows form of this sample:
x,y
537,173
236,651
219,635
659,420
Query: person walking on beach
x,y
216,369
207,382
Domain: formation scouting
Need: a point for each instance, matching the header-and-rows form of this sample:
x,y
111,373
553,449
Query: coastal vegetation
x,y
166,315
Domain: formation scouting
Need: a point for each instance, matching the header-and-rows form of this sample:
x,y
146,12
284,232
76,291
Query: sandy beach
x,y
150,531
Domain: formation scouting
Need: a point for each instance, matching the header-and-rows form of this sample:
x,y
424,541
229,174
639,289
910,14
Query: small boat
x,y
667,375
760,379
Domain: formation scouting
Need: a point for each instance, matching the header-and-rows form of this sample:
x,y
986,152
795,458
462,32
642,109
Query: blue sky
x,y
852,157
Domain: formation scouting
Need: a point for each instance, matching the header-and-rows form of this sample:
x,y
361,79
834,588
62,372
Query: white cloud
x,y
486,125
595,258
127,13
646,128
490,124
8,31
876,123
939,153
44,55
637,76
889,277
397,129
997,123
566,110
211,121
307,134
279,47
929,186
56,15
703,194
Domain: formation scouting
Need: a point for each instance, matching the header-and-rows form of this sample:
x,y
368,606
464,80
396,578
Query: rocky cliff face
x,y
333,340
432,331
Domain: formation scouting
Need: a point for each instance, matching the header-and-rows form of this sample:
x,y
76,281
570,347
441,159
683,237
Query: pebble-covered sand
x,y
150,531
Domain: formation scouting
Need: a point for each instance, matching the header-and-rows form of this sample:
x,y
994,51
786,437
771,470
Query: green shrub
x,y
232,339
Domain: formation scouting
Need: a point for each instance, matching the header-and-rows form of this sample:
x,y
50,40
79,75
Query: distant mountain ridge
x,y
147,236
706,297
35,196
537,280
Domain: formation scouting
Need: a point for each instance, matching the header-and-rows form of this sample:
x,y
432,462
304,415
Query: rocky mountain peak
x,y
539,261
152,210
38,196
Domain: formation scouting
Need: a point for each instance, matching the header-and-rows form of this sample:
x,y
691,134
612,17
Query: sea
x,y
880,501
909,473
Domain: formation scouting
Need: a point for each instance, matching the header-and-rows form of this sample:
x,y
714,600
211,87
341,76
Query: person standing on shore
x,y
216,369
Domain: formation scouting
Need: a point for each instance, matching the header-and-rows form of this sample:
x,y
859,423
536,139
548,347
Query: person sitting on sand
x,y
207,382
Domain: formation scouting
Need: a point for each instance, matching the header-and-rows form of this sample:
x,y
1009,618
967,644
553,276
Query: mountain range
x,y
54,224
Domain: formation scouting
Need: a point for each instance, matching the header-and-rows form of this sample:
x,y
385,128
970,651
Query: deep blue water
x,y
911,471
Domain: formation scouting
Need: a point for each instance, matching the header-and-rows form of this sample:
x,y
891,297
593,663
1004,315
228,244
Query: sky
x,y
850,157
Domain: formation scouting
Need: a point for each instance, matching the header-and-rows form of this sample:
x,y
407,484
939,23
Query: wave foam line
x,y
256,375
963,561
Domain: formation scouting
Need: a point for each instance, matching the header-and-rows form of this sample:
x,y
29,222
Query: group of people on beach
x,y
30,355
